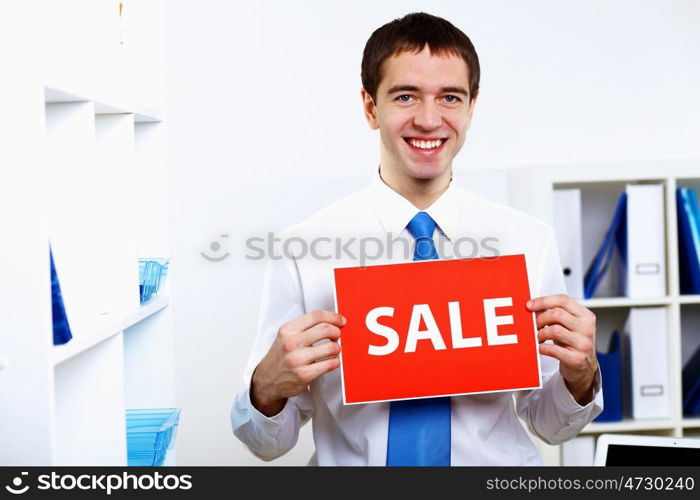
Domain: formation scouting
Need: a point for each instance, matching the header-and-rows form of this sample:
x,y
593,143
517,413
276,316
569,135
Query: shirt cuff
x,y
565,400
272,423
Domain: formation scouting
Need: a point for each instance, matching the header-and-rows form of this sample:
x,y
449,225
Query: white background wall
x,y
265,127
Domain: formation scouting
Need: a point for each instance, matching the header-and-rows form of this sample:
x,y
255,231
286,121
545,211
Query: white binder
x,y
567,228
580,451
646,362
646,253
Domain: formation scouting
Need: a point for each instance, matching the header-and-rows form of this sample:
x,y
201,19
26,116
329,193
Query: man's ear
x,y
472,105
370,109
472,101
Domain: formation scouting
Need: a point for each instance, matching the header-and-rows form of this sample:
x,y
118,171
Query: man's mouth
x,y
425,145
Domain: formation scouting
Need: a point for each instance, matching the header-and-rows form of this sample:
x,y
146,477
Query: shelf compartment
x,y
599,201
89,408
152,223
148,384
115,180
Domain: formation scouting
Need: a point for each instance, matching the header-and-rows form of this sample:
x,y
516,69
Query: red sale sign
x,y
436,328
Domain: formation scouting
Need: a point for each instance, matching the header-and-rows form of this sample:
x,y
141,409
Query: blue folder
x,y
688,240
691,385
611,371
615,237
61,329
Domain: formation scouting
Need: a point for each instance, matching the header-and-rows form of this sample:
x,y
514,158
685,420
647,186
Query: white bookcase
x,y
84,169
531,190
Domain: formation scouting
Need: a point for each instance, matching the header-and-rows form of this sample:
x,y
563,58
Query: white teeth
x,y
425,144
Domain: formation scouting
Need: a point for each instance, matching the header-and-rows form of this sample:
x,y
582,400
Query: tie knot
x,y
421,226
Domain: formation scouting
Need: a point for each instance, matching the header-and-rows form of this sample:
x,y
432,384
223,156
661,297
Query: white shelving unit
x,y
113,325
85,170
531,190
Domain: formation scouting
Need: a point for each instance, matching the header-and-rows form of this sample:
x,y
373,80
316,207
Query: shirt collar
x,y
395,212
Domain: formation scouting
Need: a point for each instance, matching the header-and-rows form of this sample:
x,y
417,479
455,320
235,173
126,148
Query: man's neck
x,y
420,192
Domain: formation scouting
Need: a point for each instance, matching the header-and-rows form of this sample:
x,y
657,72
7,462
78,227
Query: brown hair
x,y
412,33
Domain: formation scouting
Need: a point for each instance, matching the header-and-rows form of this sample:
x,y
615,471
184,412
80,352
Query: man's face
x,y
422,112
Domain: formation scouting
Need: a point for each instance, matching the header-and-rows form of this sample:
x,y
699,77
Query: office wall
x,y
265,127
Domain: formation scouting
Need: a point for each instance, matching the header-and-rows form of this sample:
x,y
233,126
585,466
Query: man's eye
x,y
452,99
404,98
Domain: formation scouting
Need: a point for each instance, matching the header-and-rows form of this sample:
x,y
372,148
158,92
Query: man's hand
x,y
572,328
293,361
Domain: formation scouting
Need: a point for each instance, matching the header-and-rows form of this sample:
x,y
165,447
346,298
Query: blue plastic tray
x,y
152,273
150,433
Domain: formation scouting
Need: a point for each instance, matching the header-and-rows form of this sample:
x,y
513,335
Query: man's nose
x,y
428,116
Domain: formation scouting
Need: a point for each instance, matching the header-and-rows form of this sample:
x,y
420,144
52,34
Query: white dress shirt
x,y
485,427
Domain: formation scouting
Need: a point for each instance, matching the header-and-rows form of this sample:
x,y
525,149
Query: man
x,y
420,79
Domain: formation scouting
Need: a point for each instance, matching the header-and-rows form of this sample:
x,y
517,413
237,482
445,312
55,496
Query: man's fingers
x,y
318,352
311,319
562,300
555,316
560,335
315,370
564,355
319,332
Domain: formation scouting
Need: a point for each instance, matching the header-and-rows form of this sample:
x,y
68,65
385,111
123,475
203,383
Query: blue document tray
x,y
150,433
152,273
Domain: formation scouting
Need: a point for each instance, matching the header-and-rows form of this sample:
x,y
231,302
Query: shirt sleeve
x,y
551,413
282,301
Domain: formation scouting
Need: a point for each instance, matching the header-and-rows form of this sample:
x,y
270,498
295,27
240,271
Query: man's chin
x,y
428,172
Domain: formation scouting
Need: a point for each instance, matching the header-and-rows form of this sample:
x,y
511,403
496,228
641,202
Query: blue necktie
x,y
419,429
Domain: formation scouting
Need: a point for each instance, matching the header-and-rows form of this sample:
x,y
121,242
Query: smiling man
x,y
422,107
420,82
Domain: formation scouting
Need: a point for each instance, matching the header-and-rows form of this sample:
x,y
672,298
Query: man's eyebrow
x,y
413,88
456,90
402,88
